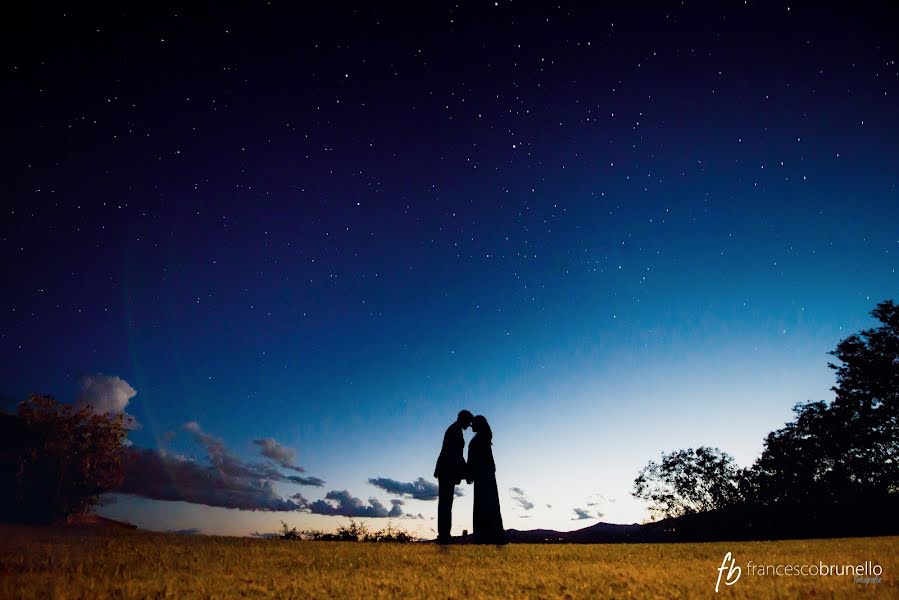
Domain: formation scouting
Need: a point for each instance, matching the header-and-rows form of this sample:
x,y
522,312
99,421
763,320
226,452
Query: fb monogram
x,y
731,569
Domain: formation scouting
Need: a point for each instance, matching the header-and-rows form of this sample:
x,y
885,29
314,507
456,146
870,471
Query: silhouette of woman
x,y
488,522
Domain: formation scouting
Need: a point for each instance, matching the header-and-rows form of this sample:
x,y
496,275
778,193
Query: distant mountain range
x,y
598,533
738,522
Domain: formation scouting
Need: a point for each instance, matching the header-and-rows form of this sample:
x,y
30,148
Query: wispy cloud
x,y
593,502
230,465
310,481
161,475
222,480
282,455
599,500
520,498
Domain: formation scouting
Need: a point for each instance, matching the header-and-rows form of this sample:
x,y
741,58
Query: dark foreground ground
x,y
93,562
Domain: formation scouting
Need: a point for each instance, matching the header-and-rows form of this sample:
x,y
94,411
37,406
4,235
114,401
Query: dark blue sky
x,y
613,231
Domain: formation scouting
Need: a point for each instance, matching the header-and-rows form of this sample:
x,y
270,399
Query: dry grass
x,y
47,563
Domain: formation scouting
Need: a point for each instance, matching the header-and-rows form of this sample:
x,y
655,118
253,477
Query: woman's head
x,y
481,427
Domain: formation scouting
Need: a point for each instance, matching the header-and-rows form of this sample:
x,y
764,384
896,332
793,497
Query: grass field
x,y
48,563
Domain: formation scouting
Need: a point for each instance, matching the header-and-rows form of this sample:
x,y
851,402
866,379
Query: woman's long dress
x,y
488,522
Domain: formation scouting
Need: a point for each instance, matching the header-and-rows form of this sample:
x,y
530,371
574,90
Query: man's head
x,y
464,419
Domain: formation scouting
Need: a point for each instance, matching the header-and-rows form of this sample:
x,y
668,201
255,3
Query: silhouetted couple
x,y
480,470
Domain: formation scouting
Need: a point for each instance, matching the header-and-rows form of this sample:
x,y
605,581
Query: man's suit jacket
x,y
451,462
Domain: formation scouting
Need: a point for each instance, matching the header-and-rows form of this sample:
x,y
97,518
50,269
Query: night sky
x,y
294,242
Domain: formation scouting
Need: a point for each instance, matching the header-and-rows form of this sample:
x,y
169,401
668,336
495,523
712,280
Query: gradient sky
x,y
612,231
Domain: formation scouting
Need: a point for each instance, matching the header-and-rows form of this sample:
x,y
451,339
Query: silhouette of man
x,y
450,471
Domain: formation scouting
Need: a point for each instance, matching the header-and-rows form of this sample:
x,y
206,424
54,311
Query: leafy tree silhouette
x,y
833,460
55,461
689,481
867,401
846,450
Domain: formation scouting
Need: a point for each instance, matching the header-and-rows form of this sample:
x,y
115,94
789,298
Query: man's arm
x,y
446,453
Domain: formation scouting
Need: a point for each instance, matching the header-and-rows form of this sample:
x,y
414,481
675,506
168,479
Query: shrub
x,y
352,532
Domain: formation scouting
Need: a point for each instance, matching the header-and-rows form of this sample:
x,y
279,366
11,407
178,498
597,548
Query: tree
x,y
55,461
867,403
845,450
689,481
797,463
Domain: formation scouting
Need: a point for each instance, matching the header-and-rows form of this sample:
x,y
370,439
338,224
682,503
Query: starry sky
x,y
293,241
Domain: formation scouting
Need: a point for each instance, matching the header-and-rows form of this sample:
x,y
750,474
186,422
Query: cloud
x,y
226,480
592,511
106,394
284,456
161,475
222,459
226,462
582,514
598,499
420,489
342,503
310,481
520,498
397,510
